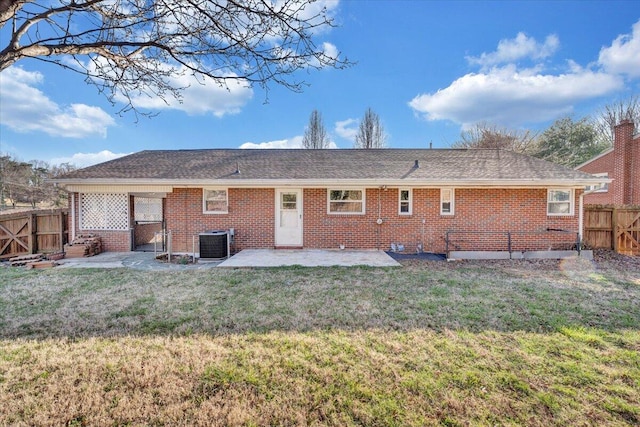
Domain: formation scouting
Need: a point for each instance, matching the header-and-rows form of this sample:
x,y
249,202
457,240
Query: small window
x,y
215,201
289,201
349,202
559,202
601,187
447,201
405,202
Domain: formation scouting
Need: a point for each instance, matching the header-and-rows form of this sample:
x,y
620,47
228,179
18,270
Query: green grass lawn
x,y
453,344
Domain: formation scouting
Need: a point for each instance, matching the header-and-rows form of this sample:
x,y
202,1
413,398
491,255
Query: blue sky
x,y
429,69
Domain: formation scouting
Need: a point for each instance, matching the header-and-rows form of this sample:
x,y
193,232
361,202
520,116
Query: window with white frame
x,y
104,211
146,209
344,201
215,201
447,201
559,202
601,187
405,201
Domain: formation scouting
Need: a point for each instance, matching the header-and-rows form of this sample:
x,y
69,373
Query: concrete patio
x,y
309,258
245,258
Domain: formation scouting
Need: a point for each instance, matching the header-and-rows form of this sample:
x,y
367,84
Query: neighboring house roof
x,y
593,159
437,167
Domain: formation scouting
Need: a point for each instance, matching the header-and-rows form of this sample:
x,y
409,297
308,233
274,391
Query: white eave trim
x,y
167,185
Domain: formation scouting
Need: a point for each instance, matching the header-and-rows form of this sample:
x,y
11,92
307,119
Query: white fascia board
x,y
314,183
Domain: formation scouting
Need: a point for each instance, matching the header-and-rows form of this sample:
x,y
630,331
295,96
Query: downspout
x,y
581,219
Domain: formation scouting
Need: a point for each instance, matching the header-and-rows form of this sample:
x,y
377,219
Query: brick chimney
x,y
626,165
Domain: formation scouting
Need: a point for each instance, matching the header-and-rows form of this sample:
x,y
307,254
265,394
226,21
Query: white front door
x,y
289,217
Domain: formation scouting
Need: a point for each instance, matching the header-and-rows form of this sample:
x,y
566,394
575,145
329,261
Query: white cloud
x,y
295,142
511,50
27,109
347,129
201,96
82,160
623,56
508,97
507,94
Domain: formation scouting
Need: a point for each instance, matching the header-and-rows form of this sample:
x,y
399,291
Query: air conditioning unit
x,y
214,244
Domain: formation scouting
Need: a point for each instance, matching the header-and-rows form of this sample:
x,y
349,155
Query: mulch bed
x,y
602,259
422,256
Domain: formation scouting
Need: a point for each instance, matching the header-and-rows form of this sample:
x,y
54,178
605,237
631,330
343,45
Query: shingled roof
x,y
315,167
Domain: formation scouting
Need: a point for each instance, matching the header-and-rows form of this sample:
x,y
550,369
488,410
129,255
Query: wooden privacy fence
x,y
25,233
613,227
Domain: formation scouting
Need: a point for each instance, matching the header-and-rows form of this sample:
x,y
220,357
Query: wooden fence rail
x,y
613,227
25,233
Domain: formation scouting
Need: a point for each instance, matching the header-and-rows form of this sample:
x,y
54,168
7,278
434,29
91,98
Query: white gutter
x,y
324,183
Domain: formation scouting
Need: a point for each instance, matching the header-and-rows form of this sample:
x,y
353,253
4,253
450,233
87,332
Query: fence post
x,y
61,227
614,229
33,230
509,243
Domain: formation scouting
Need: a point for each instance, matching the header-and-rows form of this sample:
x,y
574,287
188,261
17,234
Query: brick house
x,y
365,199
621,163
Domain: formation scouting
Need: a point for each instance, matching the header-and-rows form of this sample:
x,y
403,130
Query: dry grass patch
x,y
577,377
471,343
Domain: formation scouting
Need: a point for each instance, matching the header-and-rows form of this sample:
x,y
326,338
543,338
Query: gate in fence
x,y
26,233
613,227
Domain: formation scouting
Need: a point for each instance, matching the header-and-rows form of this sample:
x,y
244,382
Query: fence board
x,y
613,227
25,233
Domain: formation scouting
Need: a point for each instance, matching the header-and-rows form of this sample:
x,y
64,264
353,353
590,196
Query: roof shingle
x,y
435,165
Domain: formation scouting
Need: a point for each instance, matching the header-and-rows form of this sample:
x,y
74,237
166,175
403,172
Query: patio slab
x,y
309,258
245,258
135,260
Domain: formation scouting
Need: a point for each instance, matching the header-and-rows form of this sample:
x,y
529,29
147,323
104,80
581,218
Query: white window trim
x,y
571,202
453,201
364,200
204,201
410,201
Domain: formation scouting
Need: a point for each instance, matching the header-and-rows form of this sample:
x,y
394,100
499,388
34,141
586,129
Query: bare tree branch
x,y
612,114
315,135
371,132
132,47
486,135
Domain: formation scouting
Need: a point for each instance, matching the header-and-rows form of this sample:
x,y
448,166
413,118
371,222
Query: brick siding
x,y
622,165
252,214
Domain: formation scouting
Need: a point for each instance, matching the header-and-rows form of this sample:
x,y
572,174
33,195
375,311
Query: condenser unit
x,y
214,244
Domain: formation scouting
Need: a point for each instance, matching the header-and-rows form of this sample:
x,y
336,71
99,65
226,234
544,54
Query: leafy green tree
x,y
570,143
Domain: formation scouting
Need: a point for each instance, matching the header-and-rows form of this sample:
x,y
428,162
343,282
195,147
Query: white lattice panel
x,y
104,211
147,209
